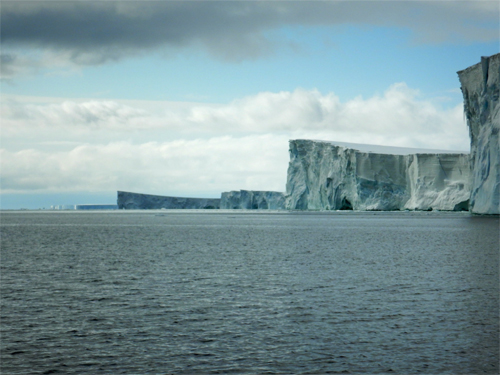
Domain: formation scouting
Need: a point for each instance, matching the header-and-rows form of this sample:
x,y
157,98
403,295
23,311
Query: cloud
x,y
269,111
400,115
191,167
96,32
199,149
89,113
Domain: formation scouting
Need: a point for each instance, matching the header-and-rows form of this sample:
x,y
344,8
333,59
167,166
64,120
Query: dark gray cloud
x,y
88,32
113,29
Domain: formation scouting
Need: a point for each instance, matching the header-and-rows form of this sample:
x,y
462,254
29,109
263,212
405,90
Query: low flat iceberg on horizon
x,y
137,201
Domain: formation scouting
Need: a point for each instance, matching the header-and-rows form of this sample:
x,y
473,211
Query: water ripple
x,y
131,293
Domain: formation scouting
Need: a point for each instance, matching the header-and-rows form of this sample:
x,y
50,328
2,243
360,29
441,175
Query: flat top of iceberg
x,y
390,149
479,64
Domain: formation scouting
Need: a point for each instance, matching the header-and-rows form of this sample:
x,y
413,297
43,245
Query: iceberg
x,y
326,175
137,201
253,200
480,86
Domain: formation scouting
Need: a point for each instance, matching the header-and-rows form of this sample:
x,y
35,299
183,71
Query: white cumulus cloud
x,y
192,148
186,167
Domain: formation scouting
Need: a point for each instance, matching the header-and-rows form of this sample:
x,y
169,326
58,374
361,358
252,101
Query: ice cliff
x,y
136,201
252,199
480,88
335,176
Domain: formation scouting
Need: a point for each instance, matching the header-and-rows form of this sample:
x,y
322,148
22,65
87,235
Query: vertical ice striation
x,y
438,181
253,200
480,89
334,176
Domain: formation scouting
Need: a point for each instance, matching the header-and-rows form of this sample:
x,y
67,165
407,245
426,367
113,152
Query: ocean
x,y
248,292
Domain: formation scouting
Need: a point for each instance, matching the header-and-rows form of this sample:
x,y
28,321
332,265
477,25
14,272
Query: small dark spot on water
x,y
203,354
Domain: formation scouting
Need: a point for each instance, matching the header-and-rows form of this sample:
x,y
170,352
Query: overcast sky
x,y
194,98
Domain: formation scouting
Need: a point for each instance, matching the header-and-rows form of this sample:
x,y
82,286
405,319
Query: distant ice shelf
x,y
136,201
324,175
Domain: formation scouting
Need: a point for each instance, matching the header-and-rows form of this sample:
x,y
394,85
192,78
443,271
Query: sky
x,y
193,98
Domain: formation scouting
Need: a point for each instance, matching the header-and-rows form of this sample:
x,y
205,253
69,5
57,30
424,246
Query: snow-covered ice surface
x,y
390,149
480,88
253,200
325,175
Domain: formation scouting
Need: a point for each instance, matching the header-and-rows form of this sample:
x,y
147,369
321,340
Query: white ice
x,y
481,88
332,175
253,199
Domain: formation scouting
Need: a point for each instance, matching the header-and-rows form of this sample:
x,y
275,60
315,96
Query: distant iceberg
x,y
253,200
96,207
136,201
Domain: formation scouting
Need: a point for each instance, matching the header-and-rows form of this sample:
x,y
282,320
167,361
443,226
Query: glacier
x,y
137,201
325,175
253,200
480,86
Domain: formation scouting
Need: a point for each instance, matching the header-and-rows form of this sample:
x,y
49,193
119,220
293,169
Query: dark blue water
x,y
230,292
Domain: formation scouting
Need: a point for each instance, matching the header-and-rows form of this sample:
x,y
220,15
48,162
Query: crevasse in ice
x,y
480,89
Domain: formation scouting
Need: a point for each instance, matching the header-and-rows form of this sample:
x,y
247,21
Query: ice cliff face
x,y
480,89
252,200
135,201
327,176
